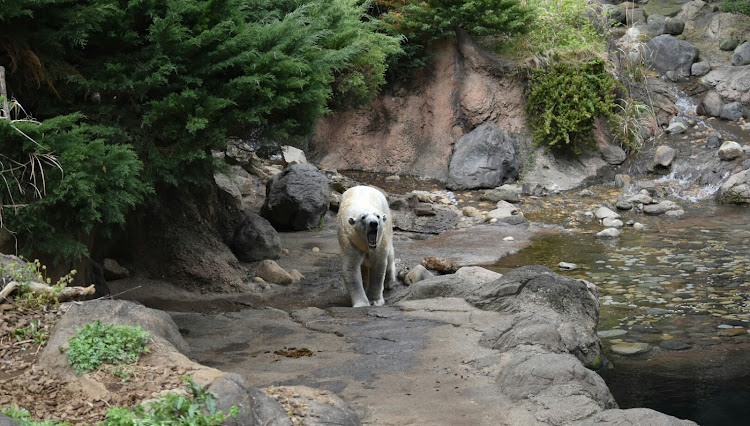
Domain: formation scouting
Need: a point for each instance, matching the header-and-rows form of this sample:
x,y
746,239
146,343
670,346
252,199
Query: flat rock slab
x,y
631,348
415,363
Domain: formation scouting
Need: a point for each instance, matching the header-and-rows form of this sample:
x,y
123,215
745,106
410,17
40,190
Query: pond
x,y
680,289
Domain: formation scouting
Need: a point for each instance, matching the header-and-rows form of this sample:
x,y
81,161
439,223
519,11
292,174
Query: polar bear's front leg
x,y
390,270
375,287
353,280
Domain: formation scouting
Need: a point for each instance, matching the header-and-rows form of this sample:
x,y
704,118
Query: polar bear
x,y
366,241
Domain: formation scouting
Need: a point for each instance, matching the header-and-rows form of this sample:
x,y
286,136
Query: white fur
x,y
367,269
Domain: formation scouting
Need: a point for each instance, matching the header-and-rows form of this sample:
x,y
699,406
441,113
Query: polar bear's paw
x,y
379,302
361,304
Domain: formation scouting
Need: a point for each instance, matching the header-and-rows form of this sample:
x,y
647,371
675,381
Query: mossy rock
x,y
664,7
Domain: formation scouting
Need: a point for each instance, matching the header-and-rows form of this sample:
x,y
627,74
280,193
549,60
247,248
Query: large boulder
x,y
484,158
741,55
296,198
736,190
670,56
711,104
256,239
732,83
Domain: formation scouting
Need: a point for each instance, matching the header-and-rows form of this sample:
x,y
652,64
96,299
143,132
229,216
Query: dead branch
x,y
39,289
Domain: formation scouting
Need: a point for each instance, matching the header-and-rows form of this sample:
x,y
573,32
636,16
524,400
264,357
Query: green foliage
x,y
90,183
177,78
35,331
737,6
564,100
563,30
98,343
197,408
424,22
23,417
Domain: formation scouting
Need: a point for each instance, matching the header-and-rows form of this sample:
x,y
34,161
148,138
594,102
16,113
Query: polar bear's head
x,y
371,225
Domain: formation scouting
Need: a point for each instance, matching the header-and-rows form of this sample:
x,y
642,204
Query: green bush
x,y
23,417
197,408
563,101
88,185
737,6
98,343
422,23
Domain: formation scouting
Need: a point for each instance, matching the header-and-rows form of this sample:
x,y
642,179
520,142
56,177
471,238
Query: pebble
x,y
628,348
608,334
316,249
674,345
508,239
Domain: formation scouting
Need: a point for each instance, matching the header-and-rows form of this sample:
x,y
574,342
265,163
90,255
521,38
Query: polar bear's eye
x,y
385,218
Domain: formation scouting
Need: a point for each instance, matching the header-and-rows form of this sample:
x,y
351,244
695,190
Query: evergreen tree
x,y
175,79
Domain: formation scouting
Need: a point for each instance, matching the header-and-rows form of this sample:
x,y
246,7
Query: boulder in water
x,y
736,190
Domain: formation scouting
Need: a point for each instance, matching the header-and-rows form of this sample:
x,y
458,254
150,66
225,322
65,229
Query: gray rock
x,y
730,150
661,208
613,154
608,334
603,212
640,198
611,222
158,324
639,226
609,233
271,271
232,390
623,181
7,421
241,154
713,140
623,205
567,266
732,111
478,273
741,55
291,156
736,190
526,375
631,348
663,157
656,24
674,214
296,198
615,14
539,297
729,42
510,193
701,68
444,218
416,274
634,416
676,128
732,83
255,239
113,270
674,26
710,105
674,345
484,158
504,209
665,53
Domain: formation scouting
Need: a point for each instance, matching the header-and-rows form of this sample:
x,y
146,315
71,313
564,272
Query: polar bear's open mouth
x,y
372,238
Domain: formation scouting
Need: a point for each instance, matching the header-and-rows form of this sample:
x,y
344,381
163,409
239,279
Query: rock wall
x,y
411,129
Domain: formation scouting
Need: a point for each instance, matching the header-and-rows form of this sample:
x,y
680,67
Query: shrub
x,y
564,99
425,22
737,6
98,343
197,407
88,184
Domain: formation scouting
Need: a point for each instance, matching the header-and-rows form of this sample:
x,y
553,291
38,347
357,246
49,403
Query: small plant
x,y
98,343
23,417
35,331
197,408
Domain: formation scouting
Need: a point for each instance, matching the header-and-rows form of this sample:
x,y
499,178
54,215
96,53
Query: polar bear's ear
x,y
352,221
